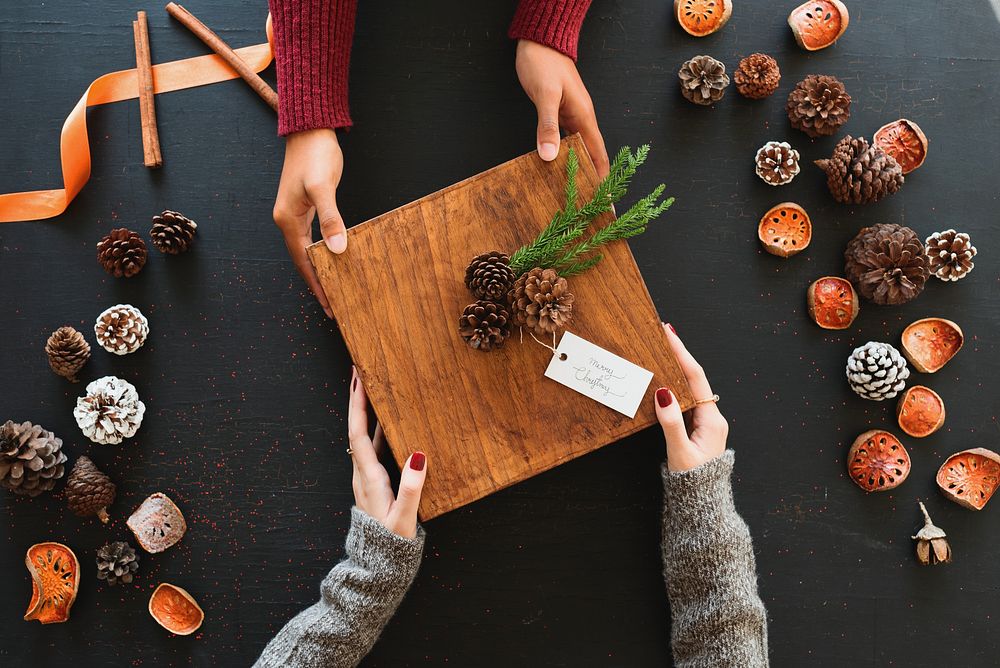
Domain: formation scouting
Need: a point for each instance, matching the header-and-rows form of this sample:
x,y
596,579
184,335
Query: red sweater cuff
x,y
554,23
312,53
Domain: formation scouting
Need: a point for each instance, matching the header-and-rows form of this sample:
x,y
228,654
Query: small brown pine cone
x,y
777,163
172,232
886,263
757,76
122,253
121,329
88,490
117,562
950,254
703,80
68,351
541,301
484,325
31,458
857,173
489,276
818,105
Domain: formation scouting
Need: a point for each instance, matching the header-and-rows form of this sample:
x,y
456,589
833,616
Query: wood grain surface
x,y
485,420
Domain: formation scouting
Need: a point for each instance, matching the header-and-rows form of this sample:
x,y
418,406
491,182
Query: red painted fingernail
x,y
663,397
671,328
417,461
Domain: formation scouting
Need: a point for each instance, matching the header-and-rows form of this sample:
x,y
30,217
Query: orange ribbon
x,y
74,144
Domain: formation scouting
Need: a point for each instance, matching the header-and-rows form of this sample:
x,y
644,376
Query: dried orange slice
x,y
55,579
833,303
157,523
175,610
904,141
877,461
818,24
785,230
970,477
920,411
702,17
930,343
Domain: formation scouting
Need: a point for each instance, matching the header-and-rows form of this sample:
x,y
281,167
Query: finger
x,y
331,224
547,134
357,429
586,124
668,414
296,245
403,514
695,374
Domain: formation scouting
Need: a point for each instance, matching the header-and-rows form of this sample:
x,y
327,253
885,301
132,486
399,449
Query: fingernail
x,y
329,313
337,242
354,378
663,397
417,461
548,151
671,328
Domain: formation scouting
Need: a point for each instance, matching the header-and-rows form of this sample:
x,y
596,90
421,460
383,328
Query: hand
x,y
706,439
372,491
551,81
309,180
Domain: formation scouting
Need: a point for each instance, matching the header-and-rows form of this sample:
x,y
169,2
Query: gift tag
x,y
596,373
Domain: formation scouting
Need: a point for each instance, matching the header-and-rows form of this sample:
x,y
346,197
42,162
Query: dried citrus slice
x,y
55,579
930,343
175,609
920,411
970,477
904,141
878,461
818,24
702,17
833,303
785,230
158,523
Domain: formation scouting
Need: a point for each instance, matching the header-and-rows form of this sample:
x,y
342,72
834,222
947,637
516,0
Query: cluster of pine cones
x,y
123,253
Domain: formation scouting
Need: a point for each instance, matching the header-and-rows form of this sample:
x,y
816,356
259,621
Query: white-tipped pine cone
x,y
121,329
110,412
877,371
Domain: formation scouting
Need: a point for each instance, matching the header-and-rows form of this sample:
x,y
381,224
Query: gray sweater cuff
x,y
702,493
375,548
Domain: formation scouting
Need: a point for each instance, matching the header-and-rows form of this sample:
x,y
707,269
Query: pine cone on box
x,y
117,561
121,329
489,276
757,76
857,173
110,412
172,232
541,301
485,325
777,163
67,351
703,80
877,371
122,253
950,254
886,263
818,105
31,458
88,490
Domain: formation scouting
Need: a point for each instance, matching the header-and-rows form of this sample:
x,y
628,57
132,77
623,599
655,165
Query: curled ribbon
x,y
74,143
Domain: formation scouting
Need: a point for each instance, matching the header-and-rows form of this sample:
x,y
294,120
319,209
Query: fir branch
x,y
580,267
531,255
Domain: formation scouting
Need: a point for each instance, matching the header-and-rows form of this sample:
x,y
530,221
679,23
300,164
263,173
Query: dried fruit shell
x,y
819,23
55,580
904,141
920,411
930,343
157,523
175,609
878,461
702,17
833,302
969,478
785,230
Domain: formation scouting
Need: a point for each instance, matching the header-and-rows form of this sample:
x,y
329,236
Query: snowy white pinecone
x,y
121,329
877,371
110,412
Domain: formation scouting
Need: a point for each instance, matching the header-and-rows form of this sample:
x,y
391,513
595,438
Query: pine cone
x,y
858,173
31,458
88,490
117,561
886,263
541,301
757,76
110,411
777,163
877,371
818,105
122,253
703,80
950,254
68,351
172,232
484,325
489,276
121,329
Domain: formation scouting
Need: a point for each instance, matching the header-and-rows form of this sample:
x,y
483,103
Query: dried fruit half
x,y
920,411
904,141
833,303
930,343
970,477
175,610
878,461
55,579
785,230
157,523
702,17
818,24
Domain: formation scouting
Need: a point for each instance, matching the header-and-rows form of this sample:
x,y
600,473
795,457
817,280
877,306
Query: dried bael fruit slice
x,y
175,609
970,477
930,343
818,24
833,303
702,17
785,230
904,141
878,461
920,411
157,523
55,579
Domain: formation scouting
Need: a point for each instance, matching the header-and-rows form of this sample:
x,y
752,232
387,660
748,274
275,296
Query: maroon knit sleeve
x,y
554,23
312,54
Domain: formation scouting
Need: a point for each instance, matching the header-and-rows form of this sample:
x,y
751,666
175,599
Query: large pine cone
x,y
886,263
88,490
117,561
68,351
31,458
877,371
857,173
818,105
489,276
172,232
541,301
122,253
110,412
703,80
777,163
484,325
757,76
121,329
950,254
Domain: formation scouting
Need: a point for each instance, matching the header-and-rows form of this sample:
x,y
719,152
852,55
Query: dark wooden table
x,y
244,379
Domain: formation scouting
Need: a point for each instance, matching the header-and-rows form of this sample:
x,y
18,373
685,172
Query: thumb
x,y
331,224
668,412
547,136
403,515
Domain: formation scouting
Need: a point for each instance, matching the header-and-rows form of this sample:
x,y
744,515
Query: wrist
x,y
311,135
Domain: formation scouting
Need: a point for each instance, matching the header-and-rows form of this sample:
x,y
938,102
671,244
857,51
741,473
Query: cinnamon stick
x,y
151,156
214,42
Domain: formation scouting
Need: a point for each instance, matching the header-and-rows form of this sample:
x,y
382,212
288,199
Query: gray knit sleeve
x,y
357,598
708,564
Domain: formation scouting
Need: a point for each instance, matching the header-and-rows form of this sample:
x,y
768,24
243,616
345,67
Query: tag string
x,y
561,356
